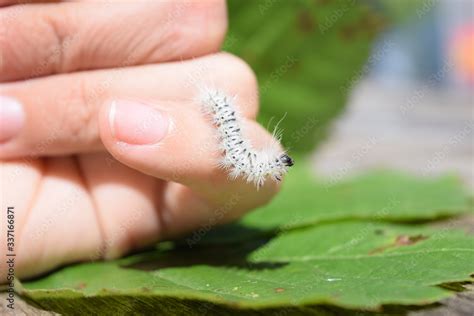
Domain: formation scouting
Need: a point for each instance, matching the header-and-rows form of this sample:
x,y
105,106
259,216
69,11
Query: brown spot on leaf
x,y
405,240
348,32
81,286
306,22
370,24
400,241
279,290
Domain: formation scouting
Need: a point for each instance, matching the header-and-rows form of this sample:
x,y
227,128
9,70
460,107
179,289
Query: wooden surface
x,y
21,308
425,135
415,129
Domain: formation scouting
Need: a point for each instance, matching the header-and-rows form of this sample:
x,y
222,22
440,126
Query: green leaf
x,y
351,264
406,11
378,195
306,55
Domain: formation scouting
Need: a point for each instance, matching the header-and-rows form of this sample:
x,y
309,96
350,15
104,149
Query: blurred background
x,y
365,84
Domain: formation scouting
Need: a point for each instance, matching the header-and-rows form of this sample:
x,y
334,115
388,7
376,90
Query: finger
x,y
127,204
4,3
41,218
42,39
58,114
19,180
179,145
179,139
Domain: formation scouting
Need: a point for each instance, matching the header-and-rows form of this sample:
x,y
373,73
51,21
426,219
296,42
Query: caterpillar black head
x,y
286,160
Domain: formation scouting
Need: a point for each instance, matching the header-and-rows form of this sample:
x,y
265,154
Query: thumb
x,y
165,141
175,142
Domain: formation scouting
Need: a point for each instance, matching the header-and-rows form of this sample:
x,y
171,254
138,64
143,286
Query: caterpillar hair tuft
x,y
239,156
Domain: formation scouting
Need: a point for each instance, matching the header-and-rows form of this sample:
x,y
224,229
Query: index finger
x,y
4,3
43,39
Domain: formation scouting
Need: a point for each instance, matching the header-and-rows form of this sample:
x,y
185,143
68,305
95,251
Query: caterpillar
x,y
239,156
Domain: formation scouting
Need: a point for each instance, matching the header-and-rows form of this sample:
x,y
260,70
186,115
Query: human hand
x,y
98,162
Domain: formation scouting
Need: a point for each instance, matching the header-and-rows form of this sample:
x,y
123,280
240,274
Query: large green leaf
x,y
349,264
379,195
306,55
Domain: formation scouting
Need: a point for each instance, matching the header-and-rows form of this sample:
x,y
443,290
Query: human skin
x,y
103,146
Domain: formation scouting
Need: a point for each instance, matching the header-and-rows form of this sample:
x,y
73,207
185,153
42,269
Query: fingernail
x,y
137,123
12,118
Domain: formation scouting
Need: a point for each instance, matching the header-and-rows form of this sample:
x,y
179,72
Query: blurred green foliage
x,y
400,11
306,54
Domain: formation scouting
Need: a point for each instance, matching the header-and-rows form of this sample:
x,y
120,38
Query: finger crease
x,y
57,55
34,196
102,249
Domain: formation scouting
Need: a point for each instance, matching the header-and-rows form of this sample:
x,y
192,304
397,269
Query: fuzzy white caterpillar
x,y
239,157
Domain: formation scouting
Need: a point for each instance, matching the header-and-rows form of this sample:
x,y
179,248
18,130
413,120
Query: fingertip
x,y
136,123
133,132
12,118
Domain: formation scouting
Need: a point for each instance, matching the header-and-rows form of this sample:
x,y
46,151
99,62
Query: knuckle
x,y
24,58
200,25
59,29
12,36
79,116
16,61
